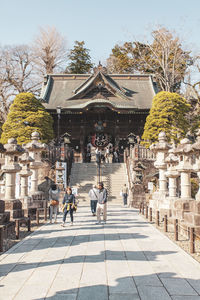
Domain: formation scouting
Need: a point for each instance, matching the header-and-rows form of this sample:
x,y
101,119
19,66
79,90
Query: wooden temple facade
x,y
98,108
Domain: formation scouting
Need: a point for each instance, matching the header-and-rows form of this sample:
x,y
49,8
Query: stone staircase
x,y
84,176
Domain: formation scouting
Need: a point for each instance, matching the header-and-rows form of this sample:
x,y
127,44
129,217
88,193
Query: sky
x,y
101,24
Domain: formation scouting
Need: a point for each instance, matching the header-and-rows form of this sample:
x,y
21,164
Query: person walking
x,y
93,199
107,155
54,194
101,203
124,193
69,205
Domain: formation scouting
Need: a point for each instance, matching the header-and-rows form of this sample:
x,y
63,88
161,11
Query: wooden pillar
x,y
17,229
37,217
1,239
176,230
165,223
150,214
192,240
157,218
29,223
146,212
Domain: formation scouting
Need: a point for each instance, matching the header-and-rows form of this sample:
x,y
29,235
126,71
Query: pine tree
x,y
168,113
25,116
80,59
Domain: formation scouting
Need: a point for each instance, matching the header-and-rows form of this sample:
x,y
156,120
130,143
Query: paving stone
x,y
185,297
153,293
124,297
99,292
99,262
178,286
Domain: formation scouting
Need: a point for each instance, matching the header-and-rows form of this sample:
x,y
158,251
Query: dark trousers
x,y
65,214
93,205
124,195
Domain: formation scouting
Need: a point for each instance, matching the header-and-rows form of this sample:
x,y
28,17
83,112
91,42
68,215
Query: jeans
x,y
53,210
65,214
101,207
124,195
93,205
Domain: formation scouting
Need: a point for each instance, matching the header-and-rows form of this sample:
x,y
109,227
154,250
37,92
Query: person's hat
x,y
101,184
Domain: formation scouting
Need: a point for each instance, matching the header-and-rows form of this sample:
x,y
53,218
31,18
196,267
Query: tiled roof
x,y
70,91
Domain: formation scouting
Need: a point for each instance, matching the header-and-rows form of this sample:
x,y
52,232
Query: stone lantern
x,y
184,167
59,177
11,167
4,216
172,173
35,147
161,150
25,172
196,167
184,150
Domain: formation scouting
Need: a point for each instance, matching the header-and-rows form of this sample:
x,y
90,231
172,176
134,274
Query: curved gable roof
x,y
70,91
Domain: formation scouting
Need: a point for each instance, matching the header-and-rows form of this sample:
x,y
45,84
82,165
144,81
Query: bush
x,y
168,113
25,116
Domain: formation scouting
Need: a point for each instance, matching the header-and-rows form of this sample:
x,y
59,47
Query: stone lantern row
x,y
26,161
172,163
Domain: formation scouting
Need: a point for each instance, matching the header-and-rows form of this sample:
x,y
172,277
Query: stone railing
x,y
175,165
139,152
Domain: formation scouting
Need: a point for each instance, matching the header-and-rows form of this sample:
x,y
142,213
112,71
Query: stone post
x,y
184,149
35,147
184,167
25,172
161,149
172,173
196,167
11,167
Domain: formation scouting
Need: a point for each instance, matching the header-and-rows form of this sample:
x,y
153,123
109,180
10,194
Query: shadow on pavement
x,y
165,286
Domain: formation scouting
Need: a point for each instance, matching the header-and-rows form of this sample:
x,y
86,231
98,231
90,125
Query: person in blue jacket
x,y
69,205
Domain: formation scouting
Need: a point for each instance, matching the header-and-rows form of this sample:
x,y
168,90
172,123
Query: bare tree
x,y
17,75
192,81
17,69
164,57
50,51
170,59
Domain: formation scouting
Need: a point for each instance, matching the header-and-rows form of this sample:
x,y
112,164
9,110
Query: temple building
x,y
99,109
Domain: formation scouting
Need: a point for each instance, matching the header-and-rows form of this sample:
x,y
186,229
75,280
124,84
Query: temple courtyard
x,y
127,258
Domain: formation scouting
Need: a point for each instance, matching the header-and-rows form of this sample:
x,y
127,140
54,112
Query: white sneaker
x,y
63,224
71,223
97,223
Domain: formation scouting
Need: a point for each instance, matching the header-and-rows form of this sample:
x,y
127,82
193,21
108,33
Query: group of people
x,y
98,200
98,197
69,204
103,155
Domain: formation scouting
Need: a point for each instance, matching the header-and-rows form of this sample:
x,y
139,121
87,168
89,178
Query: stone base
x,y
2,206
192,218
138,197
4,217
180,207
15,208
30,204
8,233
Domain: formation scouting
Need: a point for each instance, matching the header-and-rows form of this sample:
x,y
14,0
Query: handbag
x,y
75,207
54,202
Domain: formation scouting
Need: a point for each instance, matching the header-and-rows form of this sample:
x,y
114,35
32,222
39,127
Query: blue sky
x,y
101,24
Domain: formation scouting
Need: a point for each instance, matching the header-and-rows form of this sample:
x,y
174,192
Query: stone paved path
x,y
125,259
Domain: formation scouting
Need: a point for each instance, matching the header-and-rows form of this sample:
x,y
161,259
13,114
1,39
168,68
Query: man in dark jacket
x,y
102,203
